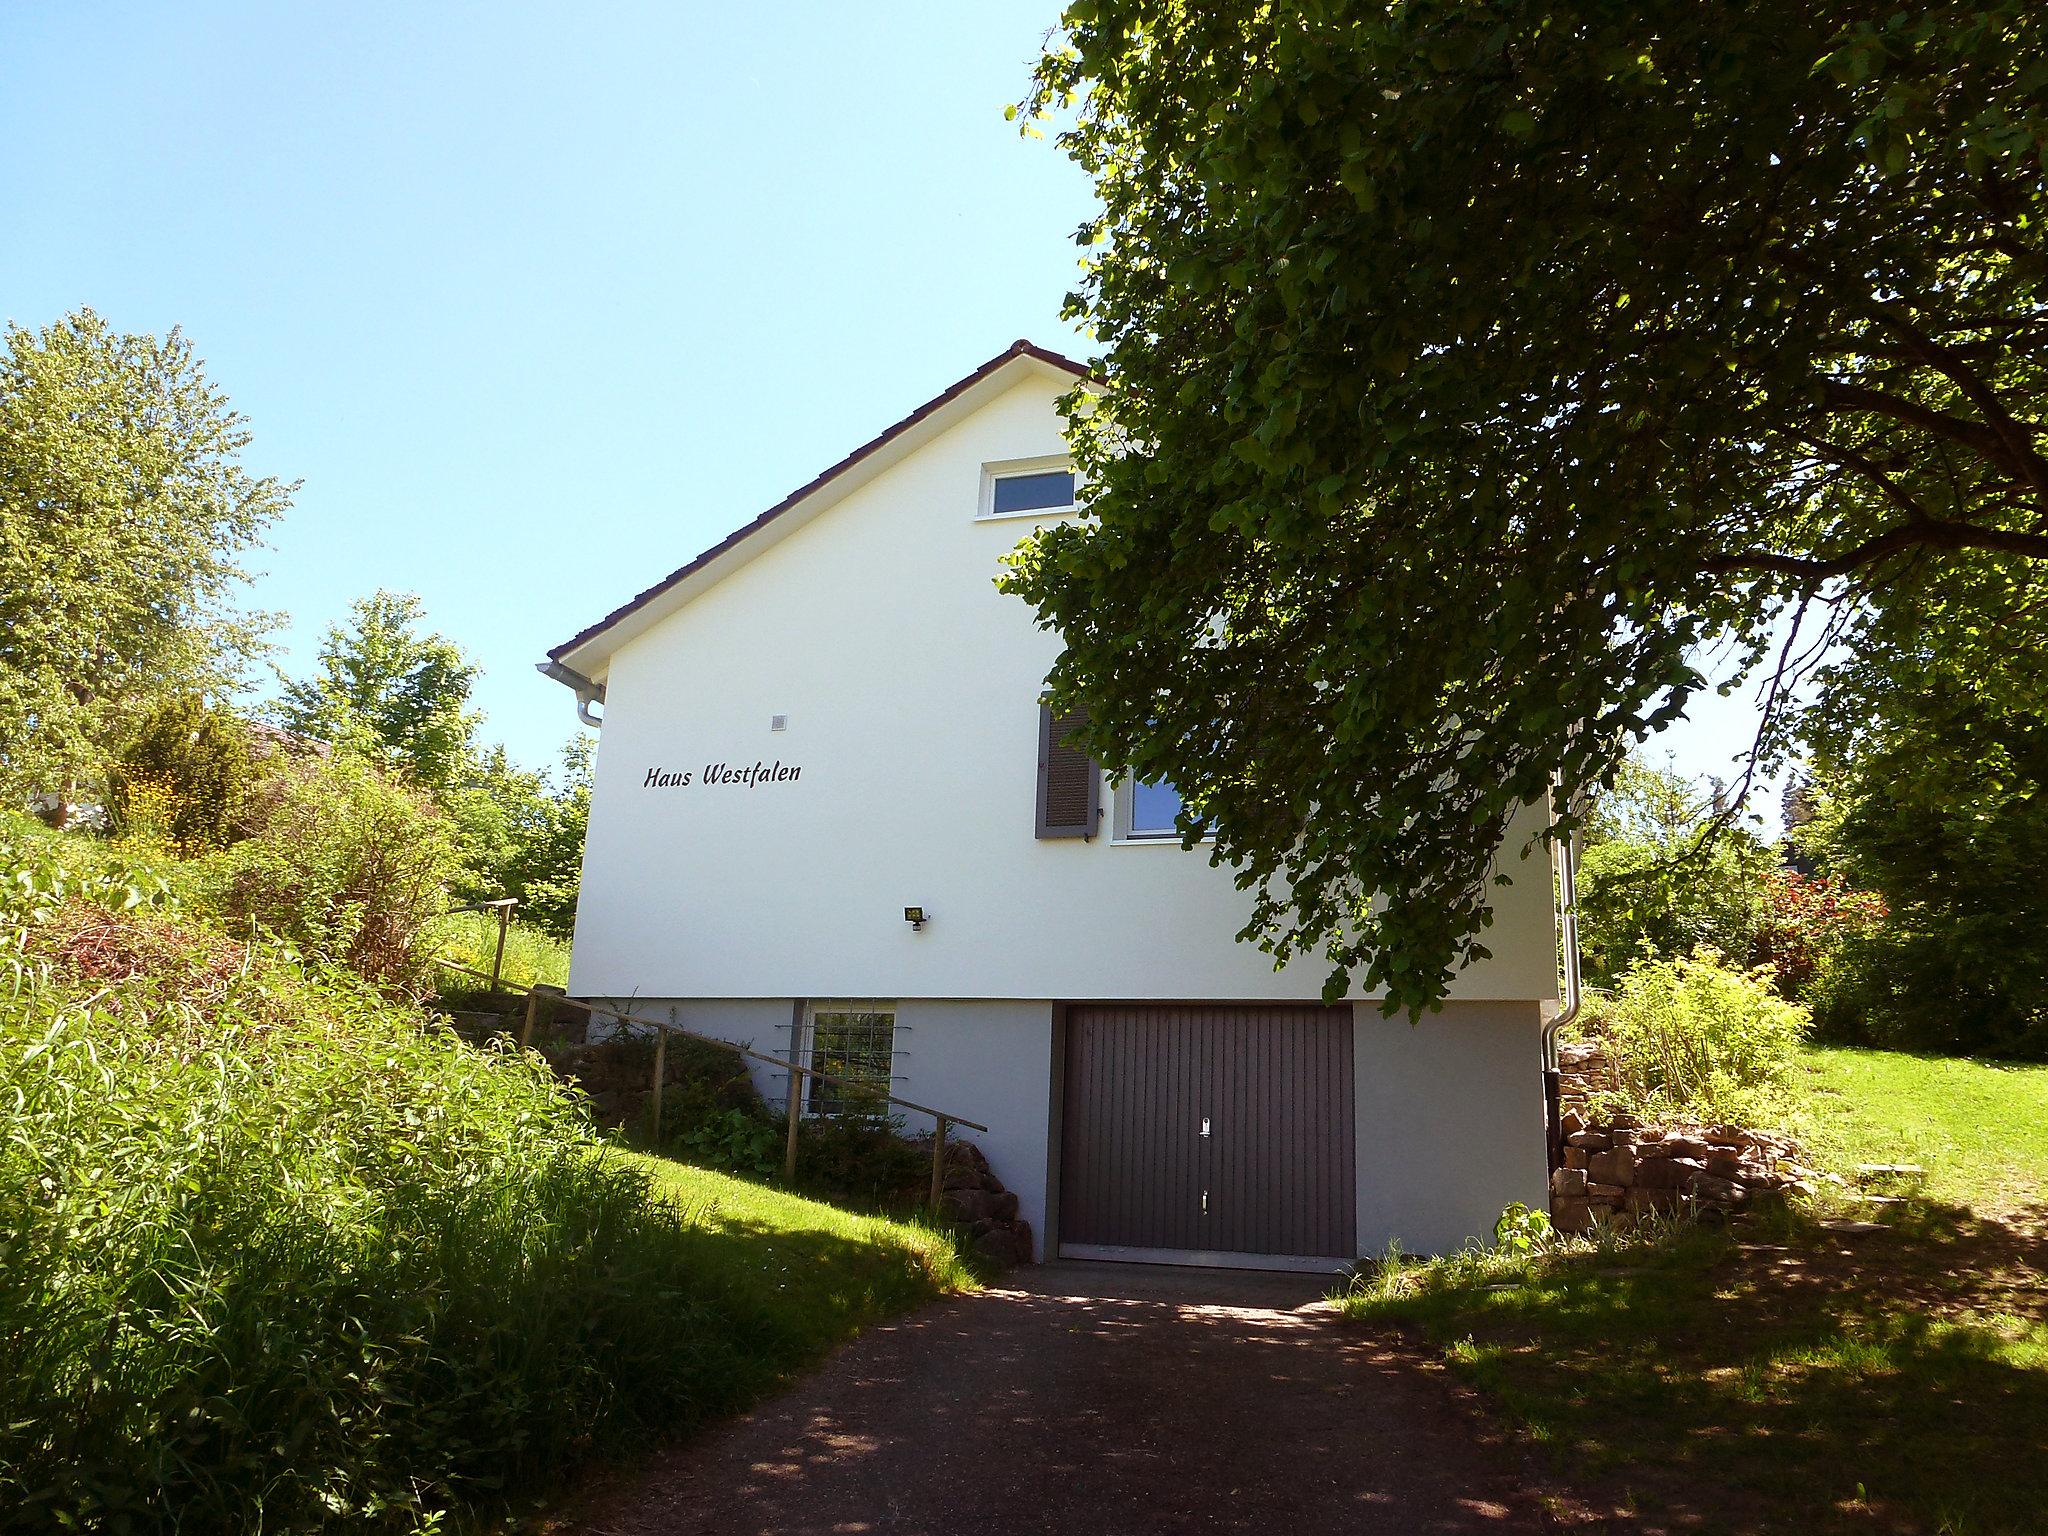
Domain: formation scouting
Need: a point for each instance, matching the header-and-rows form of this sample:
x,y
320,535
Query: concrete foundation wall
x,y
1450,1124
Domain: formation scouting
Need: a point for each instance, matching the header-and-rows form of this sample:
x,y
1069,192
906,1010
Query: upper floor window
x,y
1027,488
1150,813
1153,809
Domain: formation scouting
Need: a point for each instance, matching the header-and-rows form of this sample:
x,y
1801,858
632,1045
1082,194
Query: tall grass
x,y
279,1255
471,939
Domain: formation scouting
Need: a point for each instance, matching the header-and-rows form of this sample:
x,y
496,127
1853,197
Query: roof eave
x,y
589,652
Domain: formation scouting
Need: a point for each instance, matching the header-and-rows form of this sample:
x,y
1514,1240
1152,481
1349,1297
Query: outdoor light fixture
x,y
915,917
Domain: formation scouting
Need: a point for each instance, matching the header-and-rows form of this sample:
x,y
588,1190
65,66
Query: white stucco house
x,y
833,716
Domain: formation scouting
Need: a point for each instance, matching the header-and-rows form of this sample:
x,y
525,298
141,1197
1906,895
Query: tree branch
x,y
1929,534
1850,459
1864,400
2017,439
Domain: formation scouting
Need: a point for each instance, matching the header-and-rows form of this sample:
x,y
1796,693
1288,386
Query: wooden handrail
x,y
941,1119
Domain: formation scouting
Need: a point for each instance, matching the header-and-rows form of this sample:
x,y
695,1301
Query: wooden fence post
x,y
938,1162
498,960
793,1113
660,1072
526,1029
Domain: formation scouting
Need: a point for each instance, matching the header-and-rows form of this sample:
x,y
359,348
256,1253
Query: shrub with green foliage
x,y
1693,1038
277,1256
41,870
198,758
712,1115
349,865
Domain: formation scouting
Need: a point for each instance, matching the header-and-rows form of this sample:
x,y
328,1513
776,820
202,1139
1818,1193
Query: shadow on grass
x,y
1783,1378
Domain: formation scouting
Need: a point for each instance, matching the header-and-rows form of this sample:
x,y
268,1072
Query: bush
x,y
279,1256
185,778
350,866
864,1161
1806,920
41,870
712,1115
1691,1038
1926,991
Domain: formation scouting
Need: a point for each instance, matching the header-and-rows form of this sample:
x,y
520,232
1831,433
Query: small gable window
x,y
1032,488
1046,490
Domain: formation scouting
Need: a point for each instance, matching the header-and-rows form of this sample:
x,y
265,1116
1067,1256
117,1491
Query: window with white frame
x,y
1153,809
855,1042
1027,488
1148,813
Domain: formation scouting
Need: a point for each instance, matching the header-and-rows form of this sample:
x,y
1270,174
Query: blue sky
x,y
539,301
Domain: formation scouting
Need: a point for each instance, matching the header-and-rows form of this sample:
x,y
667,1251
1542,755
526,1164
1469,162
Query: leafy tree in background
x,y
521,833
124,508
1653,882
389,688
1468,363
1935,794
546,869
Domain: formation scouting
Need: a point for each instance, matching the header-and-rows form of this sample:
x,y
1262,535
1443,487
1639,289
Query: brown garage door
x,y
1208,1131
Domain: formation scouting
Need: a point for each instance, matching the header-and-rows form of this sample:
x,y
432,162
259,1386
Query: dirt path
x,y
1099,1399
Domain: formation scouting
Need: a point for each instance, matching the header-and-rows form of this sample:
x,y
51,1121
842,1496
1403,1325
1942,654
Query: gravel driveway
x,y
1097,1398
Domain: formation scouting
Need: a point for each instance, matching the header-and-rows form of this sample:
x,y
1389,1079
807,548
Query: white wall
x,y
990,1062
1450,1124
911,688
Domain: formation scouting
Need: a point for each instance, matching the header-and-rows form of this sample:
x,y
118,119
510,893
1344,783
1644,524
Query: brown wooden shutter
x,y
1069,782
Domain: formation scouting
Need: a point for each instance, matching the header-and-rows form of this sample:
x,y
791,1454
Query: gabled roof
x,y
590,652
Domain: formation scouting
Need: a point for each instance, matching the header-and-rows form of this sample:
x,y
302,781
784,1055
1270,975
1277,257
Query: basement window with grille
x,y
856,1042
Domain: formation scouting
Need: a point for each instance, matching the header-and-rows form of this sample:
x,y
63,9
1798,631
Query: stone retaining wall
x,y
1616,1169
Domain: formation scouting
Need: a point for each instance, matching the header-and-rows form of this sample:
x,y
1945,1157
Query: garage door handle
x,y
1205,1125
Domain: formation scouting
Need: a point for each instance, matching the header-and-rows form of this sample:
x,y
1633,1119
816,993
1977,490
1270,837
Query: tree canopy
x,y
1467,364
387,687
124,508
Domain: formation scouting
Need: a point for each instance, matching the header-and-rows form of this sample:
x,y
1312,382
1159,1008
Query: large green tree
x,y
385,685
124,508
1931,788
1466,365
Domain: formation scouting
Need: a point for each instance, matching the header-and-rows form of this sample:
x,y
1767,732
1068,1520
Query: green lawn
x,y
1782,1376
795,1275
1980,1129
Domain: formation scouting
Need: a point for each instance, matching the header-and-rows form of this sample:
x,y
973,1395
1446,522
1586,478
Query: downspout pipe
x,y
587,692
1568,929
